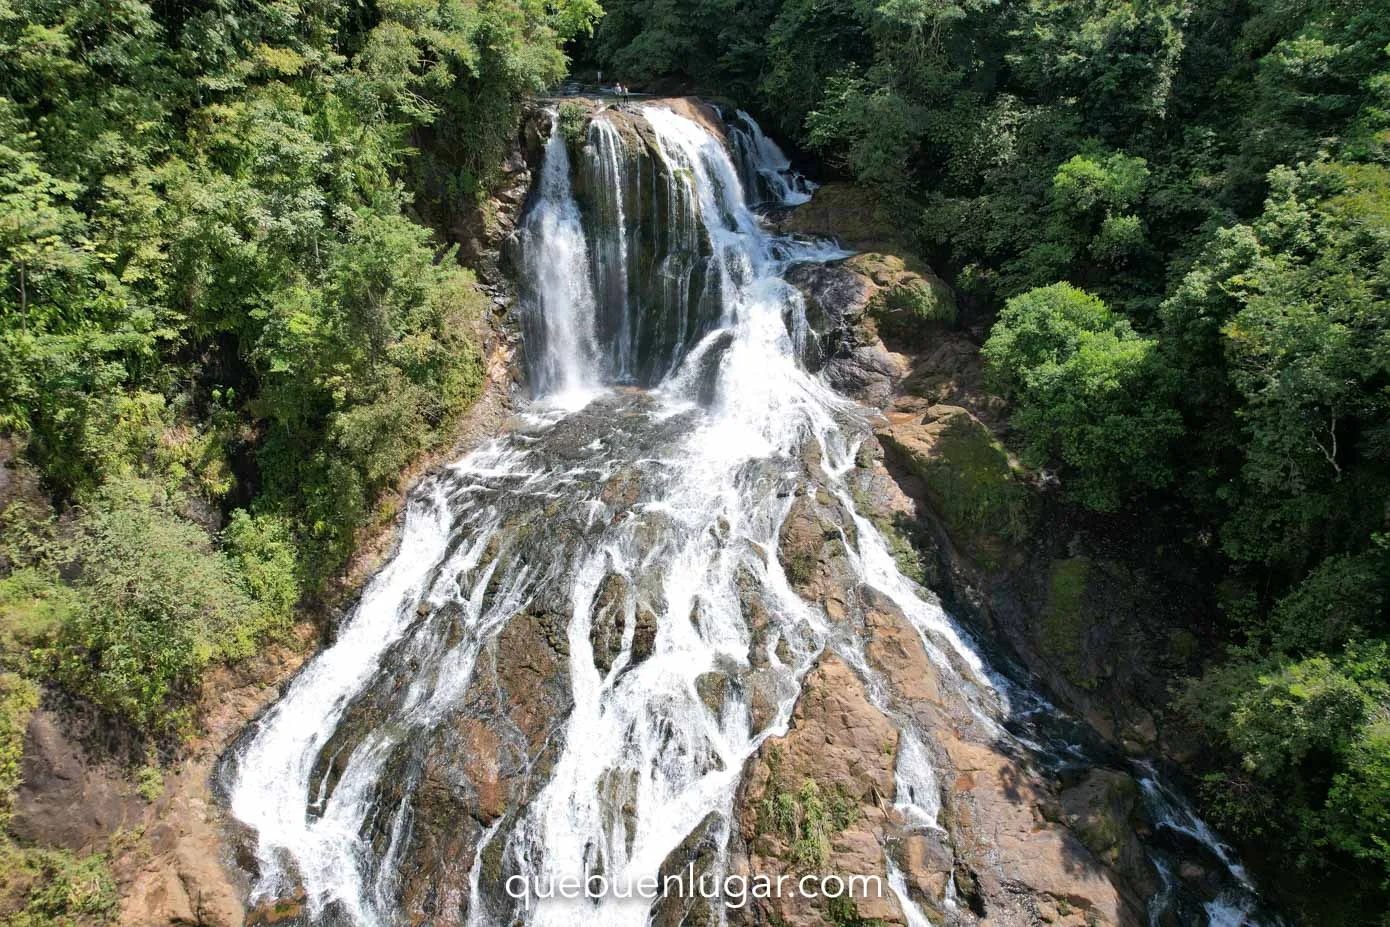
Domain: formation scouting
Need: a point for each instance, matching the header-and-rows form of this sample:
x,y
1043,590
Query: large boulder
x,y
811,548
1105,812
1020,853
492,759
1018,861
970,480
852,305
846,212
817,800
907,300
66,797
846,344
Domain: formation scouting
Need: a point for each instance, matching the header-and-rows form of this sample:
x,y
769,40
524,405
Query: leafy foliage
x,y
160,604
18,699
1090,392
222,331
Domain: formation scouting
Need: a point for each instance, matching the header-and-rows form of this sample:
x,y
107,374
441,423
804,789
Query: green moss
x,y
800,567
1106,828
975,488
921,299
149,781
1064,620
907,557
911,299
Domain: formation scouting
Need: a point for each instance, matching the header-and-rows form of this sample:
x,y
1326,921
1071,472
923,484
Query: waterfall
x,y
767,173
558,289
610,266
521,693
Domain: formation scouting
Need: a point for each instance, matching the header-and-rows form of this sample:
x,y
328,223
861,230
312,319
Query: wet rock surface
x,y
1006,853
484,764
1097,607
850,303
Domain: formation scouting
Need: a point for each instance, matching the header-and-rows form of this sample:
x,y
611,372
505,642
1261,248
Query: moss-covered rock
x,y
608,618
1103,811
908,299
847,212
971,482
1064,619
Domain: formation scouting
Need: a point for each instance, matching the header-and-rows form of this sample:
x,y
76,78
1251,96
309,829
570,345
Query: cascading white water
x,y
648,727
329,779
559,285
300,834
767,173
611,267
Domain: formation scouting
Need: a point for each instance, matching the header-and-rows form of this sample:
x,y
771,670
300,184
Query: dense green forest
x,y
1176,215
222,328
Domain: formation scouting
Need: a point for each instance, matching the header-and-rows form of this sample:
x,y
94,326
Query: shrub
x,y
18,699
162,604
263,549
40,887
574,120
1041,326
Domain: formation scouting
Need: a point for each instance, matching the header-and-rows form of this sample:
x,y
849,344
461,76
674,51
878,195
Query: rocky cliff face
x,y
824,797
1100,609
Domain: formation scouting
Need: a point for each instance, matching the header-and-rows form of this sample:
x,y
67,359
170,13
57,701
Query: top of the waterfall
x,y
692,108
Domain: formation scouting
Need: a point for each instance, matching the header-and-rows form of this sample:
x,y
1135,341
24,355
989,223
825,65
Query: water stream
x,y
629,523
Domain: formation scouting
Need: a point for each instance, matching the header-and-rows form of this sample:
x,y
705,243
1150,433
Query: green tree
x,y
1090,394
42,244
1284,323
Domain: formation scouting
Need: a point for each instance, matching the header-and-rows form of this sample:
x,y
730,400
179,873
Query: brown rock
x,y
482,765
1101,810
895,648
608,616
812,551
1015,853
846,212
831,773
643,635
157,897
517,697
65,797
712,688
